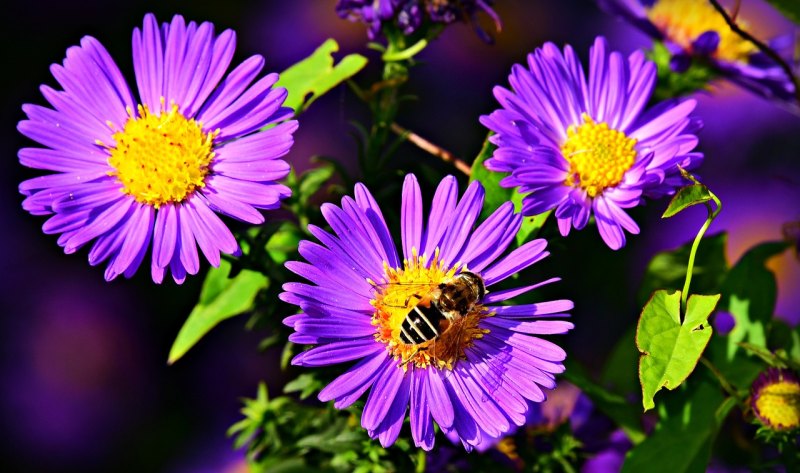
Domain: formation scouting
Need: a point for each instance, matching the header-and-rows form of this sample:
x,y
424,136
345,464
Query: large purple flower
x,y
129,171
692,28
476,371
586,147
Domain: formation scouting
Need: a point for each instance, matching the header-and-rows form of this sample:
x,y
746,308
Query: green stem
x,y
565,464
712,214
421,457
723,381
407,53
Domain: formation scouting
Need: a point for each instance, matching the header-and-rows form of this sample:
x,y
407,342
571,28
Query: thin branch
x,y
763,47
723,381
431,148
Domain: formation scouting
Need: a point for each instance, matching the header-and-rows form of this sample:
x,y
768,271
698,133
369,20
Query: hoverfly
x,y
449,301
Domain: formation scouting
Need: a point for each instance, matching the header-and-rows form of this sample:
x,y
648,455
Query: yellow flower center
x,y
682,21
779,404
161,158
395,300
598,156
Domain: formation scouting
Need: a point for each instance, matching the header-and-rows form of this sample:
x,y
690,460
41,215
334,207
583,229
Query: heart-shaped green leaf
x,y
670,349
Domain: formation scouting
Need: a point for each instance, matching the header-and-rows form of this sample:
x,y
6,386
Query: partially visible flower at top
x,y
130,171
461,358
693,28
775,399
408,15
586,147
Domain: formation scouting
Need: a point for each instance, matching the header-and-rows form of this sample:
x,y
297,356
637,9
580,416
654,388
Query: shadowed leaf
x,y
685,198
221,298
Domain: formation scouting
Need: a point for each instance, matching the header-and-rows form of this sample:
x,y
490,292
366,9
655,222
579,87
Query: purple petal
x,y
389,429
348,387
373,213
338,352
148,62
411,216
539,309
519,259
498,296
421,425
444,203
165,235
462,220
441,405
381,397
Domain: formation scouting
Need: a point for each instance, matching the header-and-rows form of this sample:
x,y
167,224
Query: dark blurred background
x,y
85,384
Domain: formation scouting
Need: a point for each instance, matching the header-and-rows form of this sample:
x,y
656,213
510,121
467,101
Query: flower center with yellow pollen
x,y
395,299
682,21
161,158
598,156
779,404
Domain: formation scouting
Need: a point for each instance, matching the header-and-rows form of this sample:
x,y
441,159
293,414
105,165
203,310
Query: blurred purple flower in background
x,y
588,147
129,172
408,15
76,376
477,372
692,28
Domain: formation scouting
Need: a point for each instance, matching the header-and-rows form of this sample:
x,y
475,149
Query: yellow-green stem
x,y
712,214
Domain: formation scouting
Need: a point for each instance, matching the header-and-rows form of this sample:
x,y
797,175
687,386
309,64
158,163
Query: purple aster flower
x,y
586,147
129,171
427,331
691,28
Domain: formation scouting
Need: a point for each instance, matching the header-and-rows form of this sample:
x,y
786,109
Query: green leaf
x,y
495,195
621,367
685,198
315,75
312,180
530,225
306,384
681,441
667,270
670,349
615,406
793,347
672,84
220,299
789,8
749,294
283,243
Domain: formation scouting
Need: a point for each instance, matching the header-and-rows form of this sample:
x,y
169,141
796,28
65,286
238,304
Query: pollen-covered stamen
x,y
598,156
161,158
410,287
683,21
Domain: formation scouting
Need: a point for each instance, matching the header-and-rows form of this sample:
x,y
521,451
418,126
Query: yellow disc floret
x,y
405,288
161,158
598,156
778,404
682,21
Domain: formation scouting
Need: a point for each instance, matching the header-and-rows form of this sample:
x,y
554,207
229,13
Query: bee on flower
x,y
428,333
